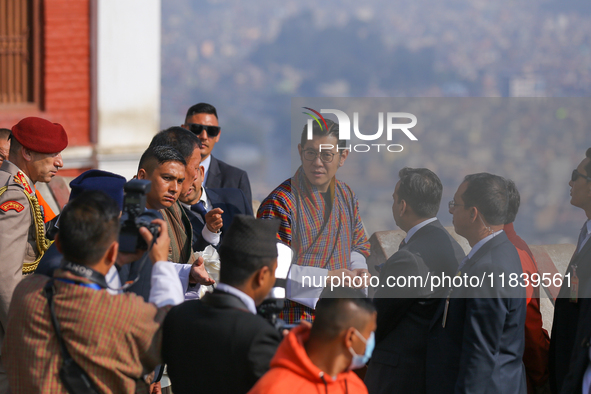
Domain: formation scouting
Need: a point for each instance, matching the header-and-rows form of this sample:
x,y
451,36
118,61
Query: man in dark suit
x,y
578,378
211,212
570,303
233,343
202,120
476,339
398,362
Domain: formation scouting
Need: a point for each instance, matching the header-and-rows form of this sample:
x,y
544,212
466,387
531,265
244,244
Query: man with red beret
x,y
34,156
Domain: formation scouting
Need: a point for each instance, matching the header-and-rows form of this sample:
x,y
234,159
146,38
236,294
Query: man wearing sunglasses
x,y
570,300
202,120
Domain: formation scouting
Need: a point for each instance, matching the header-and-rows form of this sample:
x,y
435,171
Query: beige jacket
x,y
17,237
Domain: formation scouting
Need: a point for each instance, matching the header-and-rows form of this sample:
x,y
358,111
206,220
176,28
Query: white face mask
x,y
359,360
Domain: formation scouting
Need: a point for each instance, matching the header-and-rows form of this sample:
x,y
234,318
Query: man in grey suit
x,y
404,314
476,339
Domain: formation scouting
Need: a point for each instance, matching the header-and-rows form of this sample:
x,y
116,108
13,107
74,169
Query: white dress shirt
x,y
416,228
245,298
206,163
481,243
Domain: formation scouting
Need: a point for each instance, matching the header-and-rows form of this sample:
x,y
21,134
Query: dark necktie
x,y
379,266
402,243
582,236
200,209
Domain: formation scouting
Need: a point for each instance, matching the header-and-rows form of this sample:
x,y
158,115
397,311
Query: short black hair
x,y
5,134
180,139
331,129
157,155
514,201
588,166
236,267
488,193
88,226
331,314
421,189
15,146
201,108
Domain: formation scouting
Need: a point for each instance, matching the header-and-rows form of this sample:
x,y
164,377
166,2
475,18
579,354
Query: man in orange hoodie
x,y
319,358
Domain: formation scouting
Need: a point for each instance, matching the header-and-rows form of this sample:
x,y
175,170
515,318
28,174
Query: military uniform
x,y
22,235
22,231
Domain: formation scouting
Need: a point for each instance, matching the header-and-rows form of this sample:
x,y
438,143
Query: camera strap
x,y
49,290
86,273
74,378
99,279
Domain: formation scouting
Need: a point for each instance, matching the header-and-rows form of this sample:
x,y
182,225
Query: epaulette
x,y
42,242
21,179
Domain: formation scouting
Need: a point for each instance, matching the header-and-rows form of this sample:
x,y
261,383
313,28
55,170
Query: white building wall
x,y
128,81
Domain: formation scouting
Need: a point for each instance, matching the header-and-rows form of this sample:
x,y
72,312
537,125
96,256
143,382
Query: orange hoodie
x,y
293,372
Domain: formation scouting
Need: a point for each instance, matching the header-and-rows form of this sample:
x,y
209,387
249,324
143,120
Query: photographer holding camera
x,y
113,339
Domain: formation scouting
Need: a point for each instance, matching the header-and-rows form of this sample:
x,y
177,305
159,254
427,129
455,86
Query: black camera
x,y
270,309
135,215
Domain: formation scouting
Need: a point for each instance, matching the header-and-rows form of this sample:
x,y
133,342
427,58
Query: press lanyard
x,y
93,286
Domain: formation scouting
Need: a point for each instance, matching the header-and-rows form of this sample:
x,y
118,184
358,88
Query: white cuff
x,y
305,284
166,285
358,261
212,238
184,272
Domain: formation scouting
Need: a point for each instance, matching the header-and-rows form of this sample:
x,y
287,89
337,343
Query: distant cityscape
x,y
250,61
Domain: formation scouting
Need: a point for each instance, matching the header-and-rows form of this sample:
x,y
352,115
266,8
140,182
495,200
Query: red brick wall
x,y
66,71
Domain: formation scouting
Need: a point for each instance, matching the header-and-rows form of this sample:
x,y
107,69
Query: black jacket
x,y
215,345
404,314
566,318
222,175
480,349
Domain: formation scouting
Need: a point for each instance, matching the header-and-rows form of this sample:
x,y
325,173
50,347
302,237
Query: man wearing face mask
x,y
320,358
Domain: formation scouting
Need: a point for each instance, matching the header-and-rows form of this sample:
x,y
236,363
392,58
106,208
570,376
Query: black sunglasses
x,y
211,131
576,174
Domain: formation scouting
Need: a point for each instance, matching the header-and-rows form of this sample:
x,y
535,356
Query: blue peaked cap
x,y
111,184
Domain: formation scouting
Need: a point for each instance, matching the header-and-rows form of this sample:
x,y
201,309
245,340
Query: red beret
x,y
40,135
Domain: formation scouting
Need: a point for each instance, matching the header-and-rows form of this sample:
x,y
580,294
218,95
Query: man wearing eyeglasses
x,y
570,299
320,222
476,339
202,120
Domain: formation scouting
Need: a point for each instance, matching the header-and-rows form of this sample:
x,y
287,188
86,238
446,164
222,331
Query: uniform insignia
x,y
20,178
8,205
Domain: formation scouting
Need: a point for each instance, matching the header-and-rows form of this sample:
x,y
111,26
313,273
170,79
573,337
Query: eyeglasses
x,y
452,204
576,174
211,131
325,157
